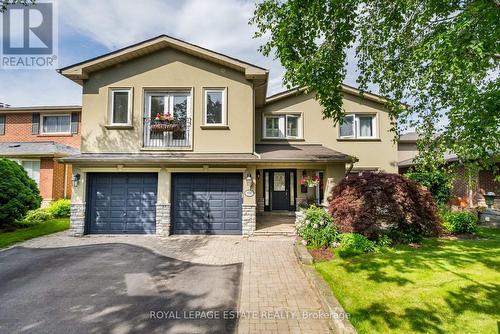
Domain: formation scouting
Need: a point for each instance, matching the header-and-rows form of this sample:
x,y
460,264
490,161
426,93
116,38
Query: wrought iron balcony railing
x,y
167,134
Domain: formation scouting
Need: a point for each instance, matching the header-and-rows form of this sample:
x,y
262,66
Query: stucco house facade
x,y
35,137
178,139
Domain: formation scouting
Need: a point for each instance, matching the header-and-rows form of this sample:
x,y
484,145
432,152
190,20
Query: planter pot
x,y
163,127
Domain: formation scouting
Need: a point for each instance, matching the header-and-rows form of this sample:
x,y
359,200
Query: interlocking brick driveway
x,y
275,296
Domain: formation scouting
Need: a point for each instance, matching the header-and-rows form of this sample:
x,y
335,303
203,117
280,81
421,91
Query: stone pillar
x,y
163,220
77,220
260,205
249,219
163,204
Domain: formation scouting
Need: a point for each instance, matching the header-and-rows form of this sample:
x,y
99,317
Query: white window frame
x,y
169,108
223,111
20,162
169,101
357,128
283,125
42,116
112,103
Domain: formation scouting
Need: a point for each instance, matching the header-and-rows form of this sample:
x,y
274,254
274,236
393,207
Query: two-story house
x,y
35,137
178,139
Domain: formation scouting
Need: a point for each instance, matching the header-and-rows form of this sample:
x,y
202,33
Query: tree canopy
x,y
439,56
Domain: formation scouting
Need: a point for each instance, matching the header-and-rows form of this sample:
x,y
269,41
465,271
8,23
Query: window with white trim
x,y
120,107
32,168
286,126
215,107
55,124
358,126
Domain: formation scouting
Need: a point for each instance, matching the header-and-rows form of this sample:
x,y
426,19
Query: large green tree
x,y
439,56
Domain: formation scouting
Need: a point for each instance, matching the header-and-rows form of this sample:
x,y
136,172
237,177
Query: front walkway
x,y
275,296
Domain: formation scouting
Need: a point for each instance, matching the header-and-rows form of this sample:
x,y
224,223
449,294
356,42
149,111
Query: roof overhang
x,y
166,159
344,88
44,109
81,71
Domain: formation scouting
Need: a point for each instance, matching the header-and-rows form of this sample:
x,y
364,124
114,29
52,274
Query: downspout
x,y
351,166
65,192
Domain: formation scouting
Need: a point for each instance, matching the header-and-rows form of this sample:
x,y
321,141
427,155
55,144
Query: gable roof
x,y
344,88
80,71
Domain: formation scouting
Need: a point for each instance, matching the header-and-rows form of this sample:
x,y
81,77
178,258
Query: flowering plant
x,y
310,181
316,228
166,117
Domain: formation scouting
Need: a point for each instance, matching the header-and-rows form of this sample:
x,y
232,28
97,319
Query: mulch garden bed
x,y
321,254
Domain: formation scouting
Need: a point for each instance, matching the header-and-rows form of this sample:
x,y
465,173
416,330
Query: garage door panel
x,y
208,203
122,203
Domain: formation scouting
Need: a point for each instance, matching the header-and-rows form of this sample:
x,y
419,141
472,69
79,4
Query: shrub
x,y
60,208
317,228
306,203
376,204
460,222
36,216
439,183
354,244
18,193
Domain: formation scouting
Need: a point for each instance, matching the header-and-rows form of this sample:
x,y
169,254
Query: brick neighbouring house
x,y
35,137
485,182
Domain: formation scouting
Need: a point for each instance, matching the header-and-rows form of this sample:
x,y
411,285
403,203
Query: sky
x,y
89,28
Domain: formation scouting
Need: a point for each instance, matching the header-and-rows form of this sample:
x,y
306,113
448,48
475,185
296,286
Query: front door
x,y
281,186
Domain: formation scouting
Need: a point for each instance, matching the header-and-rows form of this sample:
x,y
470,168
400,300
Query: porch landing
x,y
275,224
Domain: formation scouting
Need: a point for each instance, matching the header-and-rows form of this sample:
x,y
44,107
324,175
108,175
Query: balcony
x,y
175,134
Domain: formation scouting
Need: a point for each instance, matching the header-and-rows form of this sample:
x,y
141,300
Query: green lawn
x,y
25,233
446,286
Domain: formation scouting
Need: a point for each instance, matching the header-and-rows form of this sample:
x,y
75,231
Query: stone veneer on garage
x,y
77,219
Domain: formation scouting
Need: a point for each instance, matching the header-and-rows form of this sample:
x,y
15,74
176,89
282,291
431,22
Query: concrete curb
x,y
338,317
302,253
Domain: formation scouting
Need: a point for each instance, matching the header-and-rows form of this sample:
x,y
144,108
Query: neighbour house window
x,y
215,113
32,168
358,126
283,126
55,123
121,107
2,125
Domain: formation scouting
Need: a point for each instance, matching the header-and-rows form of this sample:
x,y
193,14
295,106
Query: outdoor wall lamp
x,y
489,198
258,174
249,180
76,179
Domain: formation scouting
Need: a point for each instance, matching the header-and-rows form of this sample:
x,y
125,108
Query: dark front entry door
x,y
281,183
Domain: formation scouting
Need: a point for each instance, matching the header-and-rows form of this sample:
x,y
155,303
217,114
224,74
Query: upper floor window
x,y
358,126
215,107
55,124
286,126
120,107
